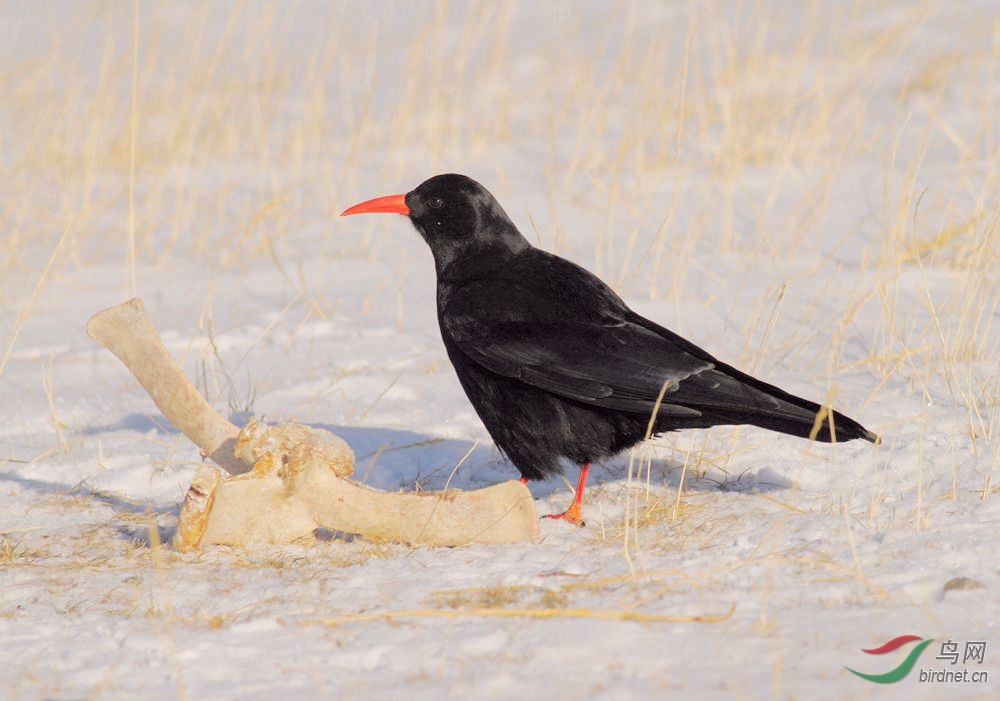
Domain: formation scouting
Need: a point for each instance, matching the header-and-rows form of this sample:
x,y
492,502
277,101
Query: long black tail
x,y
726,396
722,394
793,415
842,428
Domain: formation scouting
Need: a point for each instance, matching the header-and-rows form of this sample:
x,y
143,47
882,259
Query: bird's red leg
x,y
524,481
572,514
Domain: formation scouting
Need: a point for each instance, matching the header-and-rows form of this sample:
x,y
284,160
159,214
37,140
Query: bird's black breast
x,y
534,428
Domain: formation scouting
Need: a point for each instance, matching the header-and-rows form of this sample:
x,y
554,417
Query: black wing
x,y
553,325
617,366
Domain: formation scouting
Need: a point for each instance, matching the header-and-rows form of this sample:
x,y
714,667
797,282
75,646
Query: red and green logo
x,y
904,667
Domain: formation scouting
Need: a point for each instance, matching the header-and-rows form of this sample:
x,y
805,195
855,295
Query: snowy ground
x,y
809,191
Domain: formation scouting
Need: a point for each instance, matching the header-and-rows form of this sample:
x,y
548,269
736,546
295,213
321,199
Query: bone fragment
x,y
127,332
291,479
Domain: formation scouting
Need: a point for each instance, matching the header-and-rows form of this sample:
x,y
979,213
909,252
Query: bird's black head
x,y
459,219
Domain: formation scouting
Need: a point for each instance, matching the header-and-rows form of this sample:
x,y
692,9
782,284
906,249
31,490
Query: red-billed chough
x,y
554,362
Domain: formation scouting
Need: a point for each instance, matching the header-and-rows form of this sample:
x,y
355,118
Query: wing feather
x,y
621,366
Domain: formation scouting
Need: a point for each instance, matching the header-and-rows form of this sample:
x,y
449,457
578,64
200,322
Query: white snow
x,y
808,190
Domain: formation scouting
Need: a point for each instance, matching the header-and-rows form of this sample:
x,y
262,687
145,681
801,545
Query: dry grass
x,y
672,168
637,588
690,121
545,613
14,552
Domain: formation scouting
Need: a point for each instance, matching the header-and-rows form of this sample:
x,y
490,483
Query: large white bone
x,y
291,479
127,332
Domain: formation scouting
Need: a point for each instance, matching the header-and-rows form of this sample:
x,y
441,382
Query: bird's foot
x,y
571,515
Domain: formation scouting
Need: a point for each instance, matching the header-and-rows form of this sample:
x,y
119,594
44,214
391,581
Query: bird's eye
x,y
435,203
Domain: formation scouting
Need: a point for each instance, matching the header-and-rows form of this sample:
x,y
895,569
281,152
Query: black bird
x,y
554,362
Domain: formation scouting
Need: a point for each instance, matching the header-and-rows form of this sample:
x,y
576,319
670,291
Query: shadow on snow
x,y
401,460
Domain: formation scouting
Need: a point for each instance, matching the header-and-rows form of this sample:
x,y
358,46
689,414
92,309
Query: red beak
x,y
395,204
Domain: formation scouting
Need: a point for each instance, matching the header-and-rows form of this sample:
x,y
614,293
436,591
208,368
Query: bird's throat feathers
x,y
469,252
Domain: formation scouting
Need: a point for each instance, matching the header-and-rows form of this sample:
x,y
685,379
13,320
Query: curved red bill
x,y
394,204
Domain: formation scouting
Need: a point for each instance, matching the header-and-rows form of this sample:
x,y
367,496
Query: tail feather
x,y
815,425
724,395
770,407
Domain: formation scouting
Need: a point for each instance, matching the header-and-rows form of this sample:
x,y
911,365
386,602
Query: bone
x,y
197,508
286,481
127,331
297,486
